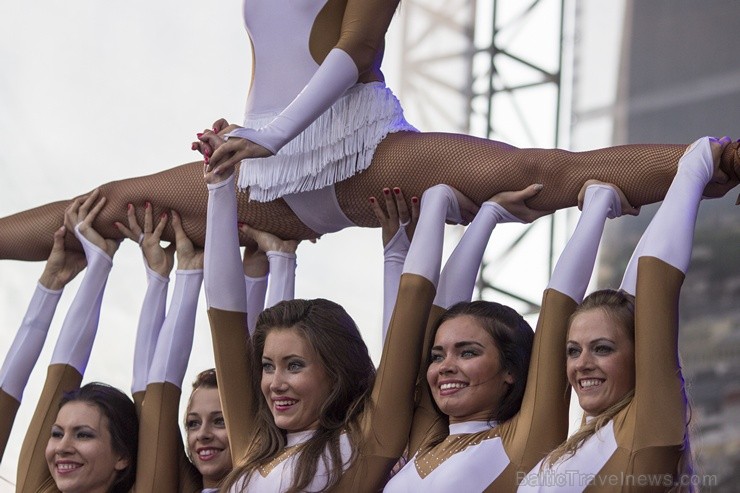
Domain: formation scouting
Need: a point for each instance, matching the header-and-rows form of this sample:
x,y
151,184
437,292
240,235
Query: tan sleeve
x,y
231,348
8,409
387,424
357,27
542,422
660,401
160,442
427,421
32,469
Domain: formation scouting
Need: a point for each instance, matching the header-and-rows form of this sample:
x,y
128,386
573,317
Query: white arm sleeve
x,y
256,292
394,255
282,277
576,264
336,74
670,234
458,277
151,319
176,338
425,253
78,331
28,342
223,270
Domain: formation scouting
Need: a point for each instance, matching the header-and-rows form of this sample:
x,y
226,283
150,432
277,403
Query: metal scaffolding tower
x,y
494,69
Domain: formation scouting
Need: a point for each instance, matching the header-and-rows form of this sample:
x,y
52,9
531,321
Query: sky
x,y
92,92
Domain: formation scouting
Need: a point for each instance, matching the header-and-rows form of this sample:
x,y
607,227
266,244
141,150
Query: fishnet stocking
x,y
479,168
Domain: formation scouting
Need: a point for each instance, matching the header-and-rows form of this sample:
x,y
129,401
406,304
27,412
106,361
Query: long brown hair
x,y
334,336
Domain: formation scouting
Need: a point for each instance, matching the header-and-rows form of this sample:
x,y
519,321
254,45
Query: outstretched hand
x,y
721,182
81,213
396,214
62,266
159,259
516,203
626,207
268,242
188,257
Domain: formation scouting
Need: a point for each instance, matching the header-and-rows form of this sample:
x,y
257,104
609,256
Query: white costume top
x,y
278,474
305,104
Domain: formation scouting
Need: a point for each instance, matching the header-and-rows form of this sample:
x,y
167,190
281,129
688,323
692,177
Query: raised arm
x,y
160,444
542,422
158,262
61,267
655,275
75,341
227,312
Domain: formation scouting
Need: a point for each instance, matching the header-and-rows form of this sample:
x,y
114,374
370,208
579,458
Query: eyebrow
x,y
460,344
285,358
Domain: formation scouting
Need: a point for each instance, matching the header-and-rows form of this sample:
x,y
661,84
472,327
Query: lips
x,y
590,383
208,453
449,388
283,404
67,467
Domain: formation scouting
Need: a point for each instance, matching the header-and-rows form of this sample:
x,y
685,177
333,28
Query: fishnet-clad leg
x,y
28,235
481,168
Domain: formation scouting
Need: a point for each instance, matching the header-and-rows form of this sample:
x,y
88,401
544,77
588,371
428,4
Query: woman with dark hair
x,y
94,441
64,461
486,414
622,359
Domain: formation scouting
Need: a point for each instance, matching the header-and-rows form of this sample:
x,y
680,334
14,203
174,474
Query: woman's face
x,y
600,360
465,374
208,442
294,381
80,453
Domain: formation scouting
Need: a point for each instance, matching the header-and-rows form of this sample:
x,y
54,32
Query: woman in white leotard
x,y
622,359
504,414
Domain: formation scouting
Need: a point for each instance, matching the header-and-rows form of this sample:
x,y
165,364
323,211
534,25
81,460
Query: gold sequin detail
x,y
287,453
429,460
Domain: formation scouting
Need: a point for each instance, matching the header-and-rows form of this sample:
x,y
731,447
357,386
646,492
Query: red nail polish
x,y
205,160
128,207
199,134
193,147
396,190
414,199
163,215
386,191
372,200
148,205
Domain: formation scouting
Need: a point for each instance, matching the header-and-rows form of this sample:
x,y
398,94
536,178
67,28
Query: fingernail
x,y
372,200
148,205
163,215
539,186
199,134
205,160
414,199
115,224
387,191
396,190
128,207
193,147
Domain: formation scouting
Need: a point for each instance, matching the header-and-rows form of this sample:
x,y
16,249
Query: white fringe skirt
x,y
338,145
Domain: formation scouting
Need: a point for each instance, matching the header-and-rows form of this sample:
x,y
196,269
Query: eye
x,y
603,349
84,435
295,366
56,433
268,367
436,358
219,422
192,424
572,351
468,353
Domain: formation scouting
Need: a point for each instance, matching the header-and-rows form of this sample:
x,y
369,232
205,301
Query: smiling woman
x,y
94,441
622,358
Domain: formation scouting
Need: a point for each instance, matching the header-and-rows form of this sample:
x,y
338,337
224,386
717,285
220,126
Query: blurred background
x,y
92,92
